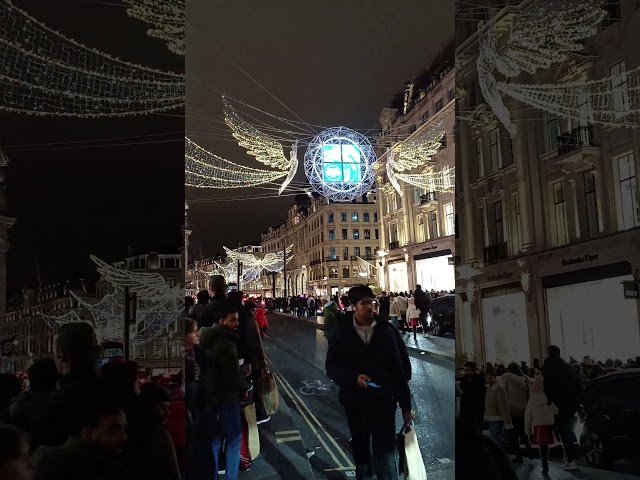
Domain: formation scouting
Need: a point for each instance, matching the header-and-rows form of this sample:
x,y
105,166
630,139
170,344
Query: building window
x,y
553,130
560,211
343,216
365,217
499,223
479,158
612,8
367,253
450,95
140,351
496,156
516,209
356,251
394,232
395,202
590,201
158,351
628,198
356,234
439,105
420,229
344,234
332,235
171,281
333,273
367,234
620,89
443,141
354,217
345,272
375,216
345,253
434,224
449,221
377,234
330,219
332,253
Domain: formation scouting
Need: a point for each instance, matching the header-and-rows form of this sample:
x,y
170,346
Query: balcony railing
x,y
394,245
576,138
428,197
315,262
496,253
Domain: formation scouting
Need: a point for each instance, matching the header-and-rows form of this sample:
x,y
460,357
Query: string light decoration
x,y
45,73
434,181
611,101
271,262
339,164
204,169
417,152
364,268
167,18
541,35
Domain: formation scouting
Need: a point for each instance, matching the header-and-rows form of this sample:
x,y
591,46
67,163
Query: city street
x,y
297,350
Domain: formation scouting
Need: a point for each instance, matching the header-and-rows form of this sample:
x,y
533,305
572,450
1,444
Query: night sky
x,y
331,62
73,202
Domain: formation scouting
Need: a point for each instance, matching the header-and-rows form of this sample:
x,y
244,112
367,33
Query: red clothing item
x,y
175,427
261,319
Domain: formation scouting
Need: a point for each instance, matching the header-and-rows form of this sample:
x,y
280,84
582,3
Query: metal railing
x,y
576,138
496,253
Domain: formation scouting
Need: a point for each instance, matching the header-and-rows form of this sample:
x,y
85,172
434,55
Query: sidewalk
x,y
531,470
443,348
282,453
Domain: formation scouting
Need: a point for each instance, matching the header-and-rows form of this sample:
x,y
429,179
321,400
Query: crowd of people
x,y
522,405
224,368
73,419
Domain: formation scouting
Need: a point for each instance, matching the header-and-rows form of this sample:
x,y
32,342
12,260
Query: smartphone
x,y
373,385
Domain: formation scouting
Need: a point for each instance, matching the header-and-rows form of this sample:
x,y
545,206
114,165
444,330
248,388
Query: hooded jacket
x,y
261,318
412,310
221,380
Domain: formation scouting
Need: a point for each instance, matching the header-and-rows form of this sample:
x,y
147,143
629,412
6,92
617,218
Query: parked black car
x,y
443,315
611,417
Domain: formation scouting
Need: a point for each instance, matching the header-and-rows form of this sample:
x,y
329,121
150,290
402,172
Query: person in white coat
x,y
517,387
539,419
413,317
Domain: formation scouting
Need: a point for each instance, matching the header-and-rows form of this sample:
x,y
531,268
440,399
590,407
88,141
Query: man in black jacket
x,y
365,362
561,386
423,303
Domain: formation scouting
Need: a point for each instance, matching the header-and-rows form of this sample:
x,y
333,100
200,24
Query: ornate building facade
x,y
550,217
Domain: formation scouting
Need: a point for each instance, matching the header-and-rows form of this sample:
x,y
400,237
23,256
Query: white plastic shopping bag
x,y
411,463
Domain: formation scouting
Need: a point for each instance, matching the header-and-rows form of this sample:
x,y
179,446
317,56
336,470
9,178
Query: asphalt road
x,y
297,352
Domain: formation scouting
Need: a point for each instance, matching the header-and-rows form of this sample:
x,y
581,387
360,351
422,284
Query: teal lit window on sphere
x,y
338,163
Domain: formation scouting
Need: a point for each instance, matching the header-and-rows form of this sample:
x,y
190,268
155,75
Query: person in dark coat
x,y
76,355
217,302
562,387
473,390
423,303
364,360
197,311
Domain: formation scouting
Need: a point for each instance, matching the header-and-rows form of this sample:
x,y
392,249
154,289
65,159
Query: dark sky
x,y
332,62
73,202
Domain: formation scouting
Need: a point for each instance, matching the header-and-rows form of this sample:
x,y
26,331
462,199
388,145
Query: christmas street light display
x,y
158,305
167,18
44,73
364,268
416,153
271,262
204,169
339,164
544,34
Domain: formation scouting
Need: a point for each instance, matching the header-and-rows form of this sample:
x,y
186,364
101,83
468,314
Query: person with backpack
x,y
365,361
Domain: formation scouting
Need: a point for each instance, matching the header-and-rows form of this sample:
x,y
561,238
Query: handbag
x,y
250,430
269,392
410,463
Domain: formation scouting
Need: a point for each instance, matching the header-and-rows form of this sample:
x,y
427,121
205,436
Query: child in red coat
x,y
261,319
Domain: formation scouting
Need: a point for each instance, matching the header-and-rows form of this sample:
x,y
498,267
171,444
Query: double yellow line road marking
x,y
316,427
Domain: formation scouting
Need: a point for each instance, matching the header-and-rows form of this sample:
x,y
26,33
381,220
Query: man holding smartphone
x,y
366,363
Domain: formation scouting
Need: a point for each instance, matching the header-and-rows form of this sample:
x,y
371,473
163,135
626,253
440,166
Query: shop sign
x,y
452,260
499,276
631,289
430,247
580,259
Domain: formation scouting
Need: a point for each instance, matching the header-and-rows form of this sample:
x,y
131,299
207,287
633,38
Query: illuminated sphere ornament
x,y
339,164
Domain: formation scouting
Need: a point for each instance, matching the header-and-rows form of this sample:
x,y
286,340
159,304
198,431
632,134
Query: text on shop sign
x,y
580,259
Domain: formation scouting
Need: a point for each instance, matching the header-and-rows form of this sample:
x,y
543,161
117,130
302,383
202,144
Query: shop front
x,y
434,271
588,312
506,336
398,276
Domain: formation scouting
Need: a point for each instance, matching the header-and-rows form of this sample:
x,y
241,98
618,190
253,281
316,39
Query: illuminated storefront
x,y
398,277
435,272
506,334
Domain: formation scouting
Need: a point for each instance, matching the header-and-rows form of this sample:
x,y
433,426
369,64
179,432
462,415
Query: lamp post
x,y
304,289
